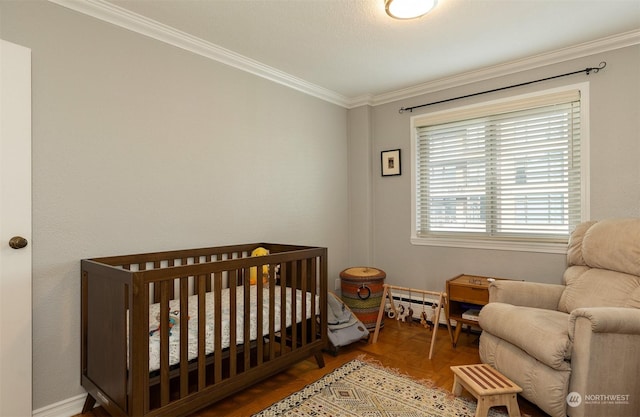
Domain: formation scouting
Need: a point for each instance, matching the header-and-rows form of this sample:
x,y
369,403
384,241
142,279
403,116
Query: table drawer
x,y
469,294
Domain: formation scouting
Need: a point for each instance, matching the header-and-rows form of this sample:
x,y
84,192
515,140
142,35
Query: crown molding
x,y
134,22
565,54
119,16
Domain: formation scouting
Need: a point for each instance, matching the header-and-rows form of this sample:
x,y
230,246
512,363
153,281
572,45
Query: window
x,y
507,174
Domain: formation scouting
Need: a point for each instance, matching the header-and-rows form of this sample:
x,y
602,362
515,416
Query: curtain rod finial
x,y
597,69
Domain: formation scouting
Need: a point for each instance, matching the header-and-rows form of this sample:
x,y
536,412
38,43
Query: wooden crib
x,y
143,356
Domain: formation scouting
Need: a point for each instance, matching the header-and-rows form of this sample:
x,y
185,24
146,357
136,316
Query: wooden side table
x,y
488,386
463,293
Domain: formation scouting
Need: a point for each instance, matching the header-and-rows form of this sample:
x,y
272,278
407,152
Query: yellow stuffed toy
x,y
253,273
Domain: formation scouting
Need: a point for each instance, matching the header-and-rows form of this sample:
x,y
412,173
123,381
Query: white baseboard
x,y
64,408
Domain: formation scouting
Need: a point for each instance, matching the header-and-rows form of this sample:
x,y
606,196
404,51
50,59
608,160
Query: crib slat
x,y
259,315
217,282
303,307
294,305
156,290
313,290
283,309
272,314
232,278
209,258
246,320
164,341
202,314
184,337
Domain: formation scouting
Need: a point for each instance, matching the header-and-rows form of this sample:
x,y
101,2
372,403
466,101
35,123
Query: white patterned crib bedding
x,y
174,306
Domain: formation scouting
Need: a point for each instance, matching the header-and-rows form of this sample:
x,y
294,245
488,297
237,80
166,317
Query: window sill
x,y
518,246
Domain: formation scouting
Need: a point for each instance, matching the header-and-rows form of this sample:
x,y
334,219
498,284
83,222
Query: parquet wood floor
x,y
401,346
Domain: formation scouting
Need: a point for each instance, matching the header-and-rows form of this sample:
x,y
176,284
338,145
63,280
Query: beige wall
x,y
139,146
360,172
614,178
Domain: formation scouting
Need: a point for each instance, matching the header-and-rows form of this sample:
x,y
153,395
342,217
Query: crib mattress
x,y
174,307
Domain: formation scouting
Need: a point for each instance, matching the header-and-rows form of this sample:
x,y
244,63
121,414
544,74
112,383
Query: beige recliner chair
x,y
574,348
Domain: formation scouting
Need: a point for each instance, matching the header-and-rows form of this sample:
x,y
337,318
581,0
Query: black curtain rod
x,y
587,71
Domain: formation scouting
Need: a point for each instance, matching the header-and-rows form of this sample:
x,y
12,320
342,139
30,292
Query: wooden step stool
x,y
488,386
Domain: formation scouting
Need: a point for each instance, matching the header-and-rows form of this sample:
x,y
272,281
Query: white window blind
x,y
509,171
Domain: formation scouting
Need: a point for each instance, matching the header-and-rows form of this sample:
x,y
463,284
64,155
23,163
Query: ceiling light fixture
x,y
408,9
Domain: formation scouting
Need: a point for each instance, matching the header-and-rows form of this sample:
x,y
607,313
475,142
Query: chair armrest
x,y
526,294
621,320
605,360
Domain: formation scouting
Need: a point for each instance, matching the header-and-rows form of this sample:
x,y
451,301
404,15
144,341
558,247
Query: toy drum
x,y
362,289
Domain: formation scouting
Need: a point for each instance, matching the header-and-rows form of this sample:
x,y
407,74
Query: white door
x,y
15,222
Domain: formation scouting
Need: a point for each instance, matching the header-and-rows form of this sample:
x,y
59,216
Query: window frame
x,y
484,242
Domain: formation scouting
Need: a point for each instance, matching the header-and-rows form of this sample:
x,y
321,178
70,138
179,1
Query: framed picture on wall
x,y
390,161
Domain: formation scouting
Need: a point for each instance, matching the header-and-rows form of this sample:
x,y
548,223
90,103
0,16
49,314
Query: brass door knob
x,y
18,242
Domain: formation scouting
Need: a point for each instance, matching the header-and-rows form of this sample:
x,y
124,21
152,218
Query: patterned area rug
x,y
363,389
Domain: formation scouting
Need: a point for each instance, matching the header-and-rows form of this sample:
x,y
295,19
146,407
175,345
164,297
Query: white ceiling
x,y
353,49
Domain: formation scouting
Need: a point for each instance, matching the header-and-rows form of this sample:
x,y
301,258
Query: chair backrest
x,y
603,265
